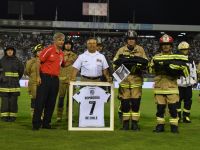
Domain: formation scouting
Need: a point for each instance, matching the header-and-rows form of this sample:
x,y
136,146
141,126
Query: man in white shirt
x,y
91,63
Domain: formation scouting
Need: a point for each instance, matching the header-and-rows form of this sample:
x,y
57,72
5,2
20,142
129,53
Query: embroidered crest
x,y
99,60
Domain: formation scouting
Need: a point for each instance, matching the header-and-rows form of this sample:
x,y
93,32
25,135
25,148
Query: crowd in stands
x,y
24,42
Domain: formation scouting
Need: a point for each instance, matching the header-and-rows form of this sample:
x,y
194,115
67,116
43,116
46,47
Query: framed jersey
x,y
91,106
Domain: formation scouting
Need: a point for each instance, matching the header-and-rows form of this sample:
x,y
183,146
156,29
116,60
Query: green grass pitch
x,y
19,136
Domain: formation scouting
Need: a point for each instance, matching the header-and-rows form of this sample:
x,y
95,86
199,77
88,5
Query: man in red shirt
x,y
49,63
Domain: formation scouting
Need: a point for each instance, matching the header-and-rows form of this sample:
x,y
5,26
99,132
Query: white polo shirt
x,y
91,64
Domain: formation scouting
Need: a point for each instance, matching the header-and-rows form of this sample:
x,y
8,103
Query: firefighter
x,y
166,88
130,89
30,71
64,77
185,85
11,71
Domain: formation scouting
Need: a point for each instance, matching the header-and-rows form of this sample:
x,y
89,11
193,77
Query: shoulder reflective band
x,y
170,57
11,74
170,91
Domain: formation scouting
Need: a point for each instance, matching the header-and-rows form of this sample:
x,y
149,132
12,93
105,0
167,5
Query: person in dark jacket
x,y
11,71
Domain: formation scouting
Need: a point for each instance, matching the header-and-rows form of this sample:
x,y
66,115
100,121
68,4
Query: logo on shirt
x,y
91,92
99,60
92,97
52,55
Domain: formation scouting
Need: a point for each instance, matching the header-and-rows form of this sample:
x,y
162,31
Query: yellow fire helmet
x,y
183,45
37,48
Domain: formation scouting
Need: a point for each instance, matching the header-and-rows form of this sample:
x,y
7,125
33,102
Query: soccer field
x,y
19,136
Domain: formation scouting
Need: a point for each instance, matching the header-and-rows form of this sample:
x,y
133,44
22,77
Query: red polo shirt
x,y
51,60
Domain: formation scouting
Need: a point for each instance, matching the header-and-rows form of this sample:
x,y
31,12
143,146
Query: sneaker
x,y
186,120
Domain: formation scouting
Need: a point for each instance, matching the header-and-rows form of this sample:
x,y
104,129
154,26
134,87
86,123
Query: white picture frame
x,y
70,114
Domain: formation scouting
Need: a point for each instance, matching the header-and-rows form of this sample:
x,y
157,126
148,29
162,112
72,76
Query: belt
x,y
91,78
49,75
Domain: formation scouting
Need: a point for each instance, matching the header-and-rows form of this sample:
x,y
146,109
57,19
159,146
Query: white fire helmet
x,y
183,45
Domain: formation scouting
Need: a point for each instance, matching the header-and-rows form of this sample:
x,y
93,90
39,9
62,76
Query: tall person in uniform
x,y
185,85
167,68
50,61
64,78
31,72
130,89
11,71
91,63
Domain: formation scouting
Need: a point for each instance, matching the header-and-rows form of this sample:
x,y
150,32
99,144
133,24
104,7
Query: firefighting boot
x,y
159,128
134,125
125,125
174,128
59,114
5,119
12,119
186,119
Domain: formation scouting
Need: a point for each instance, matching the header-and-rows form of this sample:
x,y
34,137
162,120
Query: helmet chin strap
x,y
130,47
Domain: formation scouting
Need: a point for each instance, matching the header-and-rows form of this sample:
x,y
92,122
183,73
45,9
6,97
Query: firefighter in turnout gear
x,y
167,68
130,89
31,72
185,85
64,77
11,71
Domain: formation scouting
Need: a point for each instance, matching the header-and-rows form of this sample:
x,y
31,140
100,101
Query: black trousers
x,y
9,106
185,94
45,100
